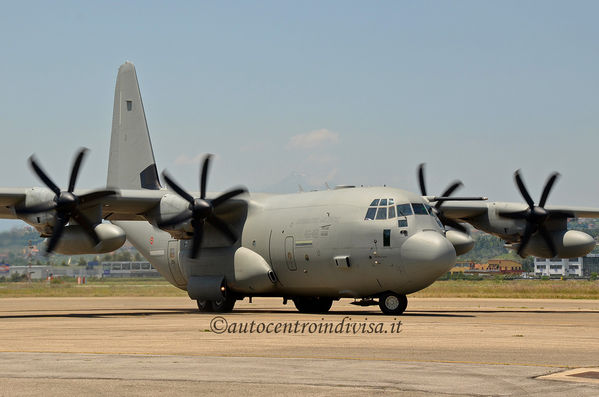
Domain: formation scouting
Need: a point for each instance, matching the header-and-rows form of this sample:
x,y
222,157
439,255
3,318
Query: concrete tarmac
x,y
156,346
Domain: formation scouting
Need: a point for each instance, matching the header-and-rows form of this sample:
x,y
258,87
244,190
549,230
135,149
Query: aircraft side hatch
x,y
173,262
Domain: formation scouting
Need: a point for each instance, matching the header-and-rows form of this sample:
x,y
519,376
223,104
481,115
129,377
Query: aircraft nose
x,y
431,250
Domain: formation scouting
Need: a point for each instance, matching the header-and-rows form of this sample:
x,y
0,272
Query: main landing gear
x,y
392,303
223,305
315,305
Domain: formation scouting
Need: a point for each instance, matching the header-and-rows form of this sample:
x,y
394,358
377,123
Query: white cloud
x,y
313,139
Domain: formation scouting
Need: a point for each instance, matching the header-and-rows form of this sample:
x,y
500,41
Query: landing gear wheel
x,y
204,306
223,305
393,304
314,305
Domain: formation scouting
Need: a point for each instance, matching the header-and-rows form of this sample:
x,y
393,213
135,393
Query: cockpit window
x,y
370,214
429,209
391,212
419,209
379,210
404,210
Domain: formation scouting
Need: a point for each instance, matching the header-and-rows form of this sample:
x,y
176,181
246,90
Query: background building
x,y
555,267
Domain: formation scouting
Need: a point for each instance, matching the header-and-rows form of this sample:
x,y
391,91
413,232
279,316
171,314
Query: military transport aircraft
x,y
374,244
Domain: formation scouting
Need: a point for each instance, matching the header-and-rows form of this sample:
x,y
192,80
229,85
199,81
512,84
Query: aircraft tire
x,y
224,305
315,305
393,304
204,306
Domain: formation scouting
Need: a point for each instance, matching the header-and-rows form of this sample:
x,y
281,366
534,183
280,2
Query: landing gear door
x,y
290,253
173,262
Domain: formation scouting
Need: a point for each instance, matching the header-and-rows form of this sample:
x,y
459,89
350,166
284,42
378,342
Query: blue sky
x,y
339,91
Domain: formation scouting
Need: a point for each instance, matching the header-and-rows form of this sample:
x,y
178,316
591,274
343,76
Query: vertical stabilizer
x,y
131,163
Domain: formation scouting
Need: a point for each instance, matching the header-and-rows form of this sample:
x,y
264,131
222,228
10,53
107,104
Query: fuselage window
x,y
381,213
386,237
370,214
391,212
402,222
419,209
374,203
383,202
404,210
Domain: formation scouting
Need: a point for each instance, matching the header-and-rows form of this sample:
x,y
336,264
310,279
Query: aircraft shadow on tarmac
x,y
99,313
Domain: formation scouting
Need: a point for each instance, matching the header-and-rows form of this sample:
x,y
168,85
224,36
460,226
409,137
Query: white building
x,y
555,267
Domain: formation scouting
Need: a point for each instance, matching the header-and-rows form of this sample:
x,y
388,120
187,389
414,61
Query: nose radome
x,y
429,249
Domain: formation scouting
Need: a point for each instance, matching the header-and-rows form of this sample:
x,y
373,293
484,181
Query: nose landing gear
x,y
392,303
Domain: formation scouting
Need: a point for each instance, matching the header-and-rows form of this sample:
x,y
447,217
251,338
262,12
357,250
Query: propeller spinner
x,y
200,210
66,204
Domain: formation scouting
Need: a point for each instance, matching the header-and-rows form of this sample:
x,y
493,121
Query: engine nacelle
x,y
170,206
462,242
75,241
568,243
233,213
44,221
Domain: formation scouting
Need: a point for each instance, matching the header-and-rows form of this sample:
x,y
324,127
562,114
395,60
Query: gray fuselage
x,y
318,244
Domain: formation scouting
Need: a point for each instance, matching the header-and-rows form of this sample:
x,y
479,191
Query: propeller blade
x,y
204,176
36,209
523,190
453,224
525,239
75,169
223,228
179,190
548,186
421,179
561,214
177,219
448,192
198,236
42,175
514,215
87,226
93,196
56,233
547,237
227,196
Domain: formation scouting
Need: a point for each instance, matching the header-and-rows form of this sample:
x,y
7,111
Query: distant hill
x,y
19,238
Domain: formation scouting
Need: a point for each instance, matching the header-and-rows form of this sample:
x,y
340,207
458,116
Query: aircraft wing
x,y
464,210
9,197
577,212
130,205
126,205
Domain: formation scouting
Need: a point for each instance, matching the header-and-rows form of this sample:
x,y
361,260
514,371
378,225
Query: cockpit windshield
x,y
380,209
419,209
404,210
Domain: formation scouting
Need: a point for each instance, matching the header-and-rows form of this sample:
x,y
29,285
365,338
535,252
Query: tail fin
x,y
131,163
